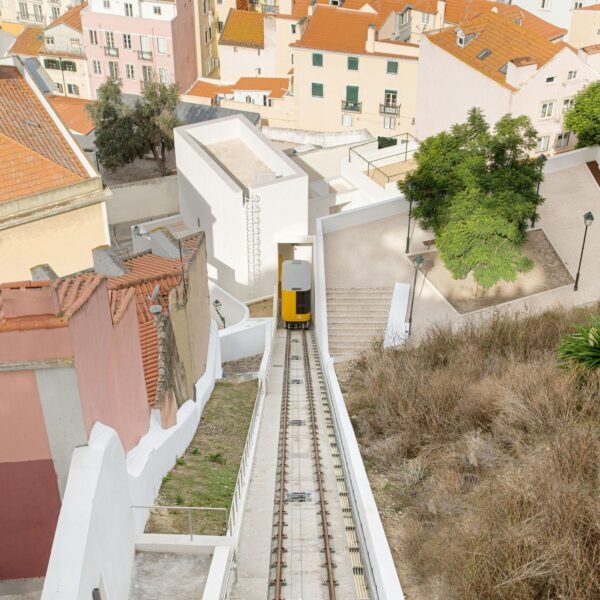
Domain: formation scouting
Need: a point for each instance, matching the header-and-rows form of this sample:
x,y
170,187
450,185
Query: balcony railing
x,y
272,9
109,51
351,106
144,55
31,18
389,109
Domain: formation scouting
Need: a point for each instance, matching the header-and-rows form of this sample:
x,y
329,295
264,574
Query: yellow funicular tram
x,y
295,294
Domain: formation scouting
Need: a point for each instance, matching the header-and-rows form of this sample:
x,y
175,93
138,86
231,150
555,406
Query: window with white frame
x,y
547,110
545,4
73,89
161,45
551,79
60,88
37,13
163,75
55,13
346,120
106,4
146,73
75,45
424,18
23,10
127,41
128,9
96,67
110,39
572,75
157,10
389,122
93,37
113,70
542,143
567,104
129,72
562,139
49,41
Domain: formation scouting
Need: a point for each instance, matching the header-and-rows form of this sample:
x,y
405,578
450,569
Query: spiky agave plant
x,y
581,349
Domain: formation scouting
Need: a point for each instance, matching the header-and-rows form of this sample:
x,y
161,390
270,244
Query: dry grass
x,y
485,459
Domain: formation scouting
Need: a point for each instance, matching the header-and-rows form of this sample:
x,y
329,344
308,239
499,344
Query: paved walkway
x,y
372,255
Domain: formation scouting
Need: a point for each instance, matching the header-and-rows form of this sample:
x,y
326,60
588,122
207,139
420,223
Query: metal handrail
x,y
389,109
351,106
189,509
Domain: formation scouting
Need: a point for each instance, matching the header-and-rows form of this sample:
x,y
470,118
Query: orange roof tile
x,y
72,17
337,30
244,28
205,89
73,113
591,7
505,40
29,42
29,136
277,86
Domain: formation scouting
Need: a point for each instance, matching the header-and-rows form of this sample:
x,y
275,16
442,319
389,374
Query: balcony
x,y
392,110
108,51
144,55
270,9
30,18
351,106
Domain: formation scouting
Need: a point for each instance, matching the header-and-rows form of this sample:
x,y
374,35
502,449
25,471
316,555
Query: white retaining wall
x,y
94,544
143,200
325,139
379,564
558,162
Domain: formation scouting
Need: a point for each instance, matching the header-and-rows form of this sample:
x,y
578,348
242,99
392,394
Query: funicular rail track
x,y
280,537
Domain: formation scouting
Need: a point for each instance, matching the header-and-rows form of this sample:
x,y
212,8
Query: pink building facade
x,y
139,41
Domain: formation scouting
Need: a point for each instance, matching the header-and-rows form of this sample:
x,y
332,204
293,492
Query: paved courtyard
x,y
372,255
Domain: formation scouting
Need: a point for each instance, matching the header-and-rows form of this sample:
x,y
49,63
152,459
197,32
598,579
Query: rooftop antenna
x,y
155,293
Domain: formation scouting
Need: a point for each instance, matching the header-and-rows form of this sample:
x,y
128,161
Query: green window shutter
x,y
317,60
352,63
50,63
317,90
351,93
392,67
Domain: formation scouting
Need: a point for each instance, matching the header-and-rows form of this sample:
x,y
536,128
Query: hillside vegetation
x,y
484,457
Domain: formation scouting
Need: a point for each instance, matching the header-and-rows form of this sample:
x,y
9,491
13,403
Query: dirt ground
x,y
264,308
250,364
138,170
548,273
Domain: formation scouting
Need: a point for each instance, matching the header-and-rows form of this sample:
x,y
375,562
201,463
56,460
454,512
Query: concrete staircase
x,y
356,317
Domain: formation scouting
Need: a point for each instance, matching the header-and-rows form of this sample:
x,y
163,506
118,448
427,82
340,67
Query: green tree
x,y
479,238
584,117
124,133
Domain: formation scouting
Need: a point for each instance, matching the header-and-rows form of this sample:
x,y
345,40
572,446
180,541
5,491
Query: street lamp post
x,y
217,306
409,216
588,219
419,260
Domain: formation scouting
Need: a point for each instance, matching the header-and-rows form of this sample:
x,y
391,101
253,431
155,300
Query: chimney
x,y
519,70
29,299
107,263
311,8
43,273
370,46
441,11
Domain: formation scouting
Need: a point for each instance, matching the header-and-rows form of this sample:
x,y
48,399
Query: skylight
x,y
484,54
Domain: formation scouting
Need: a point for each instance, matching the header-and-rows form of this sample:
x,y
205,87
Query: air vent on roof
x,y
484,54
503,68
31,123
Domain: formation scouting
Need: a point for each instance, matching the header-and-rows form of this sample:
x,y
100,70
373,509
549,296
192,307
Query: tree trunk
x,y
160,159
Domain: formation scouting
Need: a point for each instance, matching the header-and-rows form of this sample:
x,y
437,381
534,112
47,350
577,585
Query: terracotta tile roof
x,y
205,89
28,136
506,41
278,86
244,28
146,271
29,42
591,7
72,113
594,49
337,30
72,293
72,17
458,11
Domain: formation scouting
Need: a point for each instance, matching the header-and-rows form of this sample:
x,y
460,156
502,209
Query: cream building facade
x,y
38,12
585,26
529,76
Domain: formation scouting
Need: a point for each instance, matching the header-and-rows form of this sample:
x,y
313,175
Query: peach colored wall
x,y
184,46
109,369
22,430
35,344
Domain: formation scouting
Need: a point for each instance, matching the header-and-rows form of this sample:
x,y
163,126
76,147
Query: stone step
x,y
358,306
380,290
357,321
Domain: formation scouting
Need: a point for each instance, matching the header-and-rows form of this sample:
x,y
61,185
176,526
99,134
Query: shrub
x,y
581,349
180,461
217,457
179,500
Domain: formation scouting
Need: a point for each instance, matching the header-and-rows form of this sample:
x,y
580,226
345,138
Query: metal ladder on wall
x,y
252,205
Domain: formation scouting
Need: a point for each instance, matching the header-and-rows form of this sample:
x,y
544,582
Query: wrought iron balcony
x,y
392,110
351,106
109,51
144,55
272,9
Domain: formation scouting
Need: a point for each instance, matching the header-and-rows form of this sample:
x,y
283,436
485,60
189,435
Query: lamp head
x,y
217,304
588,218
419,260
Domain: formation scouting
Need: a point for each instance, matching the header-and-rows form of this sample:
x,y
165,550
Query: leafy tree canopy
x,y
124,133
584,117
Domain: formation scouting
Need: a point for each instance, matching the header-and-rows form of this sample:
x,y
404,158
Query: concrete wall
x,y
142,200
110,374
585,25
95,537
185,63
63,240
30,500
325,139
